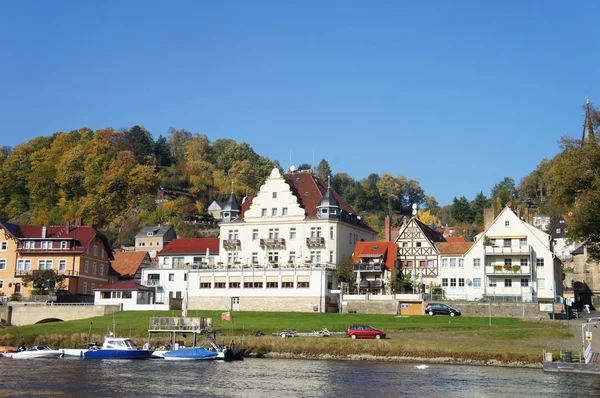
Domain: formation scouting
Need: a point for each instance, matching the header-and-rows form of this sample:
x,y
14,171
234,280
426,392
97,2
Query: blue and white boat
x,y
190,354
117,348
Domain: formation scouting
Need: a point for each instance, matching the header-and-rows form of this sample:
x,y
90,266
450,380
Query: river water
x,y
280,378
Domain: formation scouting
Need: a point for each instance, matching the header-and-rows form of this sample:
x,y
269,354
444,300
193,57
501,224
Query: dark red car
x,y
364,332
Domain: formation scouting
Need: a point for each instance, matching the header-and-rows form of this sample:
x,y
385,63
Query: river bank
x,y
403,359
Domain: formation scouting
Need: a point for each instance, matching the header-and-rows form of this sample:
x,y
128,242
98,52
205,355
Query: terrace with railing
x,y
239,265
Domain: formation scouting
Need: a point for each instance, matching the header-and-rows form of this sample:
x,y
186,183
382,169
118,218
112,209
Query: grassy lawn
x,y
422,336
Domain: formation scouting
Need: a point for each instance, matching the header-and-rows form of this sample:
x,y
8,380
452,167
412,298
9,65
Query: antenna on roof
x,y
231,186
328,181
313,162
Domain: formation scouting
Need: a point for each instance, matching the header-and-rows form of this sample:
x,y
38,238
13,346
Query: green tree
x,y
478,205
461,210
432,205
345,270
140,142
304,166
506,187
162,152
323,170
177,140
472,233
44,281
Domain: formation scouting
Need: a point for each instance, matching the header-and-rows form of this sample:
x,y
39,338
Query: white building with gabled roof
x,y
280,248
510,260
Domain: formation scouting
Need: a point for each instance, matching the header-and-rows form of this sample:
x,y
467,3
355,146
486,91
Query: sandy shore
x,y
439,360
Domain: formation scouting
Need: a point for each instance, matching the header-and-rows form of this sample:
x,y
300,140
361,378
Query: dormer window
x,y
150,233
63,244
274,195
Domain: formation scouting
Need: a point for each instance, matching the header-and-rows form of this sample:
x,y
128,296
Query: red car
x,y
364,332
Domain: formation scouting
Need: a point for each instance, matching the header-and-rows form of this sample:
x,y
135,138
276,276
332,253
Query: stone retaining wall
x,y
499,309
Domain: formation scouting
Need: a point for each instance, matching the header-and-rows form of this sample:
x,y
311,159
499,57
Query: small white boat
x,y
38,352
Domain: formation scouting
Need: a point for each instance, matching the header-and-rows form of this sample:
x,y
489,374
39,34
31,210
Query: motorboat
x,y
117,348
38,352
190,354
76,352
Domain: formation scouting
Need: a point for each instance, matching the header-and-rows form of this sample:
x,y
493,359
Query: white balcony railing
x,y
515,269
503,250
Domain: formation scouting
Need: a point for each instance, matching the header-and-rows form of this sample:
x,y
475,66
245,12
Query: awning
x,y
370,255
272,278
253,279
205,279
235,279
220,279
289,278
303,278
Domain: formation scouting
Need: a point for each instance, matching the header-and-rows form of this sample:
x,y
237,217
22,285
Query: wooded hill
x,y
110,179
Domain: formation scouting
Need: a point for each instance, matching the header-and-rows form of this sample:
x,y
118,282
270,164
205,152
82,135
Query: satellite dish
x,y
469,283
292,168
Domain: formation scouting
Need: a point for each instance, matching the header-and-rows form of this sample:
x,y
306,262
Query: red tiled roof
x,y
81,235
309,190
191,246
124,285
456,239
453,247
126,264
386,250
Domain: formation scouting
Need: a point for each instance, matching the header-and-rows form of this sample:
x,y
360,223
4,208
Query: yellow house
x,y
80,253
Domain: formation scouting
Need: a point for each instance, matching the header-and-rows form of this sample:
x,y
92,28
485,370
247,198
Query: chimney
x,y
68,227
488,217
388,230
78,222
44,232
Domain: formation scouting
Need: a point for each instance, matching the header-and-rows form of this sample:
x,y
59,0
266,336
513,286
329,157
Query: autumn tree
x,y
576,187
389,189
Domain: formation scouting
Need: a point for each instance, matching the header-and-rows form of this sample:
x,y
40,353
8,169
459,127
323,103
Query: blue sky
x,y
456,95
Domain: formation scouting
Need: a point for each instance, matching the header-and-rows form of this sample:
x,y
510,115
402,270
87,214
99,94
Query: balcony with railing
x,y
369,267
66,272
377,284
315,242
232,244
508,269
151,282
504,250
272,243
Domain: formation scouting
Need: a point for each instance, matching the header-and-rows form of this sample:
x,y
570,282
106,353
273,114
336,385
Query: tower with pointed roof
x,y
329,207
588,129
231,208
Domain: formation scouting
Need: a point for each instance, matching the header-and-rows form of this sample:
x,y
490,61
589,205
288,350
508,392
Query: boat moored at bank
x,y
117,348
38,352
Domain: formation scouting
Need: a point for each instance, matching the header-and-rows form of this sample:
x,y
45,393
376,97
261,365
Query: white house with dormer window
x,y
279,249
510,260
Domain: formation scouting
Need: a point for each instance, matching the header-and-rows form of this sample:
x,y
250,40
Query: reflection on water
x,y
280,378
